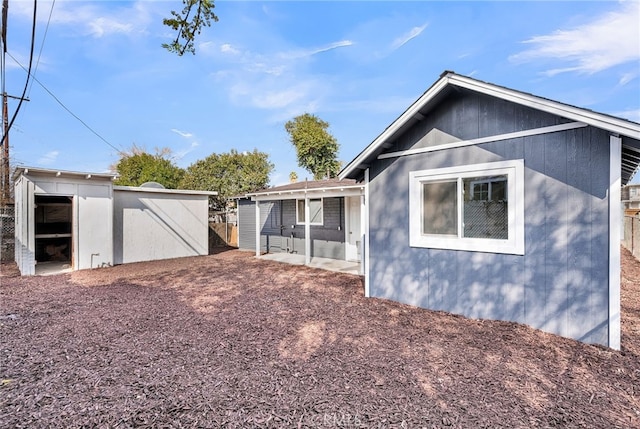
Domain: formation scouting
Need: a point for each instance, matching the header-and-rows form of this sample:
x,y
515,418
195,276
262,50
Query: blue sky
x,y
357,65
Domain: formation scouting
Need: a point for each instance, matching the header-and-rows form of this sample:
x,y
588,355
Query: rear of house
x,y
495,204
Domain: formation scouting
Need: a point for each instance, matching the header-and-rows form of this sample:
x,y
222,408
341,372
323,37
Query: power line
x,y
44,37
26,84
66,108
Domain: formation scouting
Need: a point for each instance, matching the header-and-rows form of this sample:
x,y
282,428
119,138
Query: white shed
x,y
152,223
69,220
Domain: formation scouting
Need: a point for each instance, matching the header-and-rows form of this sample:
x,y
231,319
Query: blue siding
x,y
560,284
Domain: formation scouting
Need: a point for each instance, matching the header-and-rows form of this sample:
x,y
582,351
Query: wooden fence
x,y
631,239
222,234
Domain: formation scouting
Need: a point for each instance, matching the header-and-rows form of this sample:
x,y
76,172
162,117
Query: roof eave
x,y
614,125
21,170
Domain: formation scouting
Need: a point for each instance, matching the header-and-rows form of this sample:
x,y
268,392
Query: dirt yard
x,y
231,341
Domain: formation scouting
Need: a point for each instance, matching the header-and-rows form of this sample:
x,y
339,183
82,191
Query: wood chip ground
x,y
228,340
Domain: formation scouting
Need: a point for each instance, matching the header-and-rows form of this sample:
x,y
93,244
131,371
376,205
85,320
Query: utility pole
x,y
5,192
5,168
5,196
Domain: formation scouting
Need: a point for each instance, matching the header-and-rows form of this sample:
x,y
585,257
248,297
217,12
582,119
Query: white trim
x,y
612,124
306,214
365,253
31,171
499,137
513,169
294,194
348,226
307,228
395,126
163,191
609,123
615,156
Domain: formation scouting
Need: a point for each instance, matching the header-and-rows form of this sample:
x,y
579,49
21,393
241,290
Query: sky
x,y
104,83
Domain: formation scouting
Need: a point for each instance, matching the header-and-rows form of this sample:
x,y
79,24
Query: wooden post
x,y
257,228
307,231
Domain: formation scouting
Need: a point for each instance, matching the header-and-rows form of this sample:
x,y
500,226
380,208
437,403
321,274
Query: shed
x,y
319,218
73,221
497,204
151,223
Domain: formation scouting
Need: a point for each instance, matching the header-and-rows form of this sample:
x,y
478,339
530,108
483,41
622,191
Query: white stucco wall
x,y
151,224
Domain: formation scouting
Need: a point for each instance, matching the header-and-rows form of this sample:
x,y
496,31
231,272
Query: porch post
x,y
365,244
257,228
615,156
307,231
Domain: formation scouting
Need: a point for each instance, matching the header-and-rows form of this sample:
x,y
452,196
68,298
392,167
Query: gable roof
x,y
628,130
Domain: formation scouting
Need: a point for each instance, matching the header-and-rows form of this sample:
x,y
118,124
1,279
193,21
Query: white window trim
x,y
514,170
298,222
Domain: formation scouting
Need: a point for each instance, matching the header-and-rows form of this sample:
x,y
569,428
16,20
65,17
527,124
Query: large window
x,y
475,207
315,212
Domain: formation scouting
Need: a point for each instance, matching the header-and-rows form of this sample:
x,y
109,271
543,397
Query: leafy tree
x,y
228,174
315,146
136,167
293,177
188,23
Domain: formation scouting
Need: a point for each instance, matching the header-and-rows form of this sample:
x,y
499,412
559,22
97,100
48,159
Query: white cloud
x,y
102,26
305,53
280,80
278,99
96,19
411,34
185,134
632,115
228,49
607,41
626,78
331,46
182,153
48,158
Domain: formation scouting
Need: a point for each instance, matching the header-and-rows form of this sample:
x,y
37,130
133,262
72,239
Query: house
x,y
73,220
497,204
320,219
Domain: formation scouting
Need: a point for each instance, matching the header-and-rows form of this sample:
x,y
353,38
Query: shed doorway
x,y
53,234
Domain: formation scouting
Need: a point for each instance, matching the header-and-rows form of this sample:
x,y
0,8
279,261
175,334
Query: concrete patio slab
x,y
328,264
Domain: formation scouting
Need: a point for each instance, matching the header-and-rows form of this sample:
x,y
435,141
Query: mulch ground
x,y
231,341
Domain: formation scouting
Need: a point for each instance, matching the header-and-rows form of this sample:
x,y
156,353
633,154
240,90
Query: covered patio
x,y
315,223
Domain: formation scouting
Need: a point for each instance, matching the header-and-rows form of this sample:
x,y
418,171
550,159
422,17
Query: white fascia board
x,y
395,126
163,191
31,171
597,120
347,191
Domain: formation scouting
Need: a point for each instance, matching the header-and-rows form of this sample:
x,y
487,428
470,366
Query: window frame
x,y
489,184
298,222
513,169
